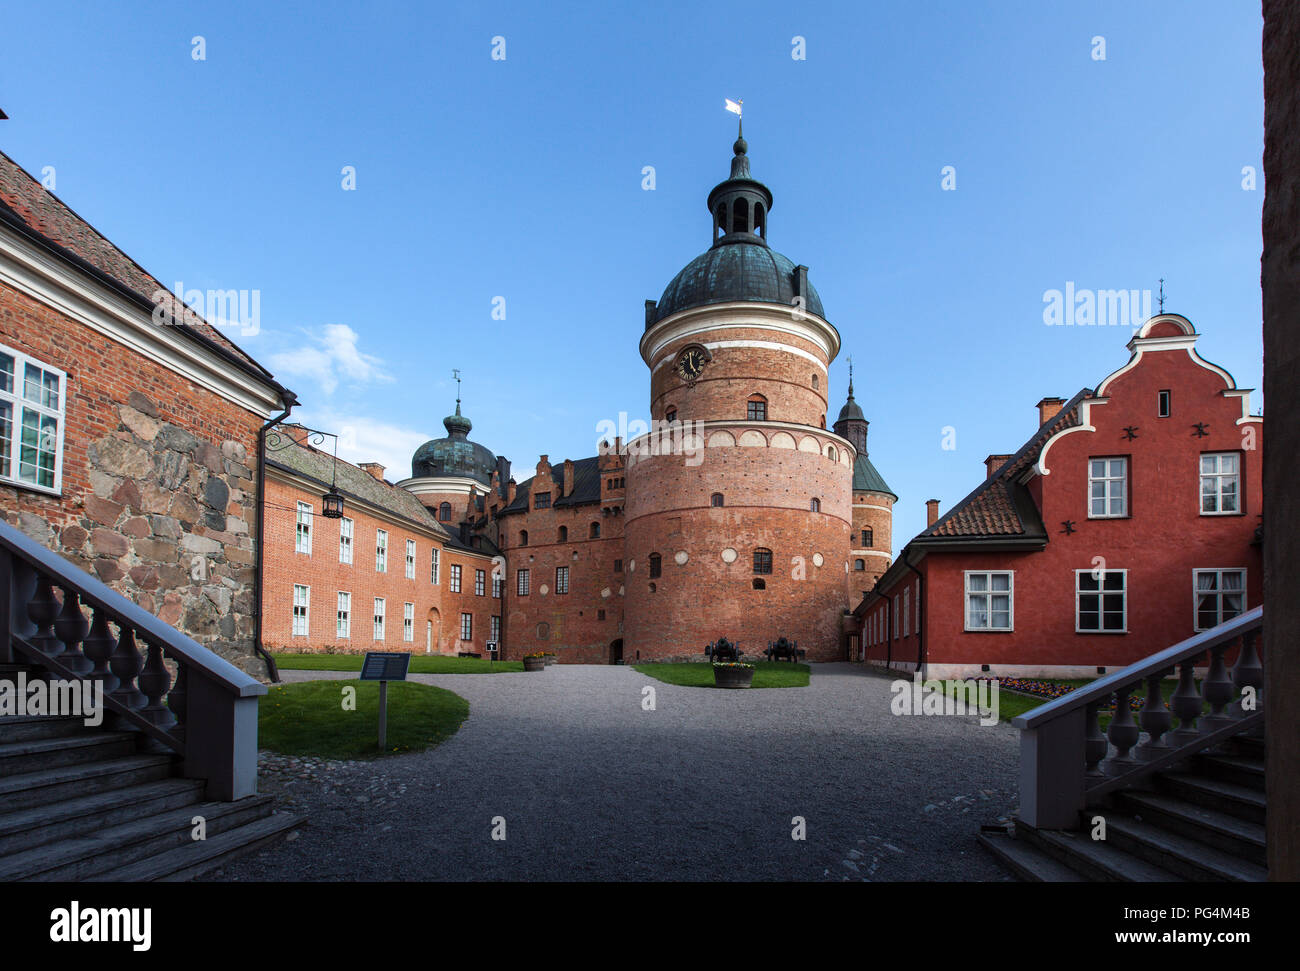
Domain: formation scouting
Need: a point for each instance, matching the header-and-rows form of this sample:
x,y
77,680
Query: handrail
x,y
1101,689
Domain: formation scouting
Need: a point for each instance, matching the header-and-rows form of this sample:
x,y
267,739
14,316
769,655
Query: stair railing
x,y
1067,764
208,714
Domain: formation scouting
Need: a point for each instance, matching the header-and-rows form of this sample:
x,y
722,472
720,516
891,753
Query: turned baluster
x,y
1095,745
1217,687
1123,732
98,647
42,609
1249,673
1186,701
1156,719
125,665
154,682
71,627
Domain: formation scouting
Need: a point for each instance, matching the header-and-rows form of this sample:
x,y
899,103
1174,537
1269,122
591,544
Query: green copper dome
x,y
454,455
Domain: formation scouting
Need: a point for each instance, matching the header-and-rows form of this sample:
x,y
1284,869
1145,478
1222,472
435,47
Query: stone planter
x,y
534,664
725,677
550,659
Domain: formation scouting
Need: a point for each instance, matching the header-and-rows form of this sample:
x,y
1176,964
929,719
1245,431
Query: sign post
x,y
384,667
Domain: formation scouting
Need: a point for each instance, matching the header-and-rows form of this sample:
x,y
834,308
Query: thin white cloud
x,y
328,359
365,439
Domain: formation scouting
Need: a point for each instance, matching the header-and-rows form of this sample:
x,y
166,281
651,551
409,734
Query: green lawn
x,y
420,663
767,674
309,718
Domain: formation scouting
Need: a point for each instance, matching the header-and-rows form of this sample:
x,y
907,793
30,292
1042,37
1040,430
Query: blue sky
x,y
522,178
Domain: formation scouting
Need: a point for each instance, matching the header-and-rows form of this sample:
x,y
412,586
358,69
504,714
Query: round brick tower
x,y
739,500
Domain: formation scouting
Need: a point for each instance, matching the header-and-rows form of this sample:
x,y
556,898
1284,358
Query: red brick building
x,y
1128,521
128,425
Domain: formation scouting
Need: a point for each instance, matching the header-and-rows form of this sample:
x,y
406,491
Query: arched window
x,y
760,224
564,534
656,565
722,219
831,454
523,537
670,415
715,499
756,408
594,531
762,560
814,381
740,216
444,512
815,505
859,564
868,536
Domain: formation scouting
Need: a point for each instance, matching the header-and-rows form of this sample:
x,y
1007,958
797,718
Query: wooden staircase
x,y
1199,820
80,803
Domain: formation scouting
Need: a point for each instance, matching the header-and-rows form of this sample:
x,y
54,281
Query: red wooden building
x,y
1128,521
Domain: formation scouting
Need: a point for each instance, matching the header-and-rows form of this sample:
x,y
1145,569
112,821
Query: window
x,y
1220,596
1220,484
868,536
521,582
455,578
302,538
896,615
814,380
301,604
907,608
762,561
1101,601
561,579
542,500
564,534
345,540
594,531
498,582
466,627
656,565
988,601
716,499
618,566
1164,401
495,637
39,410
480,582
1107,488
444,512
433,565
381,551
523,537
670,415
379,618
815,505
343,618
756,409
831,454
859,564
408,622
410,559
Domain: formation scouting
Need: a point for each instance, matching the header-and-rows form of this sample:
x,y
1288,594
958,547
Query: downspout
x,y
920,615
289,399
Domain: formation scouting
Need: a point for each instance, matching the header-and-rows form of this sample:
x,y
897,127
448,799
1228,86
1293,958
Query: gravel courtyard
x,y
593,787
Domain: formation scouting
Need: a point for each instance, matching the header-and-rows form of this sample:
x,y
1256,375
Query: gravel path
x,y
593,787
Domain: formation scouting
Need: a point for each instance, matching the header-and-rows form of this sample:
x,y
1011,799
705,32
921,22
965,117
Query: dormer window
x,y
444,512
542,500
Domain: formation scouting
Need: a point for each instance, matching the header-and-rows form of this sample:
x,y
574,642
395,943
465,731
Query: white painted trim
x,y
49,280
769,345
1085,425
870,505
18,400
456,485
853,553
740,314
1011,604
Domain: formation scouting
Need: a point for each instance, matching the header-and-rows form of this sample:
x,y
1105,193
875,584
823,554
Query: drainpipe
x,y
920,615
289,399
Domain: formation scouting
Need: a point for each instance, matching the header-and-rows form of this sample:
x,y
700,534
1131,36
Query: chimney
x,y
374,468
931,512
1048,408
510,492
992,463
544,465
503,474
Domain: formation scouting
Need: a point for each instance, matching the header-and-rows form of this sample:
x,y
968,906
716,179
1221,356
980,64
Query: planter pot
x,y
534,664
733,677
550,659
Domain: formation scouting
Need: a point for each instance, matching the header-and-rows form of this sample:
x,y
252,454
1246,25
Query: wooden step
x,y
1096,860
1212,827
1027,861
1186,858
24,829
18,728
27,755
195,858
1237,769
70,781
79,857
1240,801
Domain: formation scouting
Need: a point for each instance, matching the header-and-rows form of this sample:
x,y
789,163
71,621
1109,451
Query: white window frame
x,y
343,616
1100,591
1107,494
1218,593
301,610
480,583
346,532
897,618
1219,478
11,468
907,607
455,578
302,529
408,622
987,593
379,618
410,559
466,619
381,551
433,566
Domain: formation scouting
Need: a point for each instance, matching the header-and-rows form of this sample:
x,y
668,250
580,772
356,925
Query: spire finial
x,y
455,373
850,375
1162,294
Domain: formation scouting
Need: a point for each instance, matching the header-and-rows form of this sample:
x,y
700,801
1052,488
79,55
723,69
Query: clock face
x,y
691,363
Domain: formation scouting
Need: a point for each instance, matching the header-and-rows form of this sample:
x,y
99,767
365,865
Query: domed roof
x,y
741,269
851,410
454,455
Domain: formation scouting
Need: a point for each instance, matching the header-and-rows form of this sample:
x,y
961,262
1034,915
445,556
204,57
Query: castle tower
x,y
738,519
871,541
450,475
